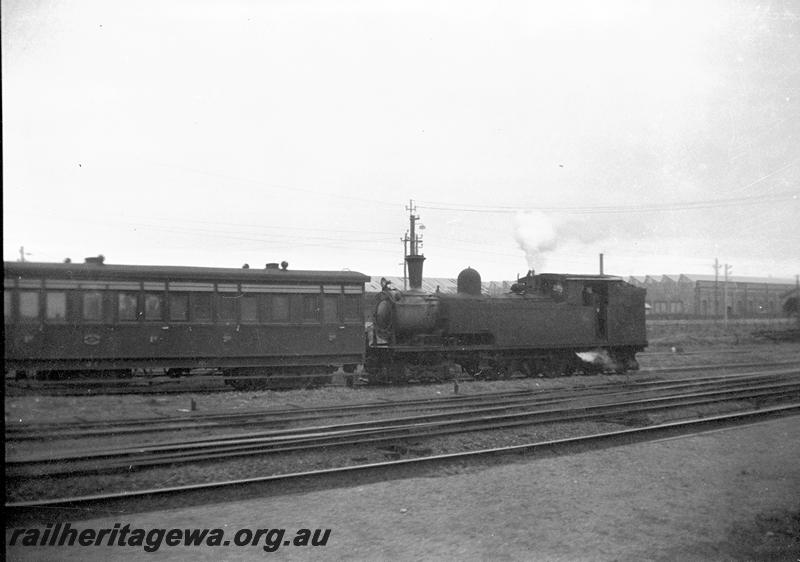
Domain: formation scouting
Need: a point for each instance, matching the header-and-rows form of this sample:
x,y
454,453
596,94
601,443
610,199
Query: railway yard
x,y
81,449
401,281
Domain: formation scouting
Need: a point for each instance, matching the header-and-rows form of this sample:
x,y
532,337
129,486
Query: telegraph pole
x,y
728,268
414,259
405,240
797,298
409,241
716,288
413,220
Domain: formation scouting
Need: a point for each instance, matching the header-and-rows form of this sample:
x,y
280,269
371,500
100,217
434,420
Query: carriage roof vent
x,y
98,260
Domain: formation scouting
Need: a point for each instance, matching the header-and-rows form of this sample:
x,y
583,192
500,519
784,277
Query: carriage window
x,y
201,307
248,305
93,306
28,306
153,306
352,307
127,305
265,307
330,309
280,308
178,307
56,306
7,305
311,307
227,307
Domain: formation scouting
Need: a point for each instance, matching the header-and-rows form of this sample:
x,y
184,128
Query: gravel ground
x,y
56,408
315,459
333,457
724,495
319,458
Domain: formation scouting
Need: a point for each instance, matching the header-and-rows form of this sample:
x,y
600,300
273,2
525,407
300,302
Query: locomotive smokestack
x,y
601,264
415,271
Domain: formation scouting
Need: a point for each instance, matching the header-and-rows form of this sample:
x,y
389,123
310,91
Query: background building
x,y
706,296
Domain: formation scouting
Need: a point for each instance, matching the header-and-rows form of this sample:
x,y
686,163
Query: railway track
x,y
211,383
72,507
420,426
285,417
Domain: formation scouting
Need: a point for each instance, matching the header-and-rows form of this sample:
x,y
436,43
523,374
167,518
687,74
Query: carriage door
x,y
595,294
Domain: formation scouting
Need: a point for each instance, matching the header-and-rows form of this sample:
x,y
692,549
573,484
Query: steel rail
x,y
509,400
455,409
50,509
95,387
370,432
228,419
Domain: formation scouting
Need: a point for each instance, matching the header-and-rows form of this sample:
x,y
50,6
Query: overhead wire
x,y
257,233
600,209
769,197
335,193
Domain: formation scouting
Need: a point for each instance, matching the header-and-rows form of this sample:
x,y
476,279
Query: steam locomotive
x,y
547,325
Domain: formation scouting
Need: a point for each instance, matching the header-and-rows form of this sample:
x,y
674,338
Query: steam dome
x,y
469,282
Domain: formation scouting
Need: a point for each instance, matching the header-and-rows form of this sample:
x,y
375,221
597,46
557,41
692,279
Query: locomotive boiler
x,y
546,325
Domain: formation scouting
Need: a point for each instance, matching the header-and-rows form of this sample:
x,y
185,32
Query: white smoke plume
x,y
599,358
536,234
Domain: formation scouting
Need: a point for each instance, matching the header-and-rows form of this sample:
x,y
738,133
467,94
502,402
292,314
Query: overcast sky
x,y
217,133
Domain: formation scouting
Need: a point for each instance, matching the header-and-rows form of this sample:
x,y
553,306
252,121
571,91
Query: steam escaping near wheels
x,y
599,360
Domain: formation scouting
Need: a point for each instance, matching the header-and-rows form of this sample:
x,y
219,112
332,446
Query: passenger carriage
x,y
64,318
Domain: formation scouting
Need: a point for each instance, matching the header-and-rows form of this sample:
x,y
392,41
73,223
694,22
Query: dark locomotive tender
x,y
549,324
64,318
